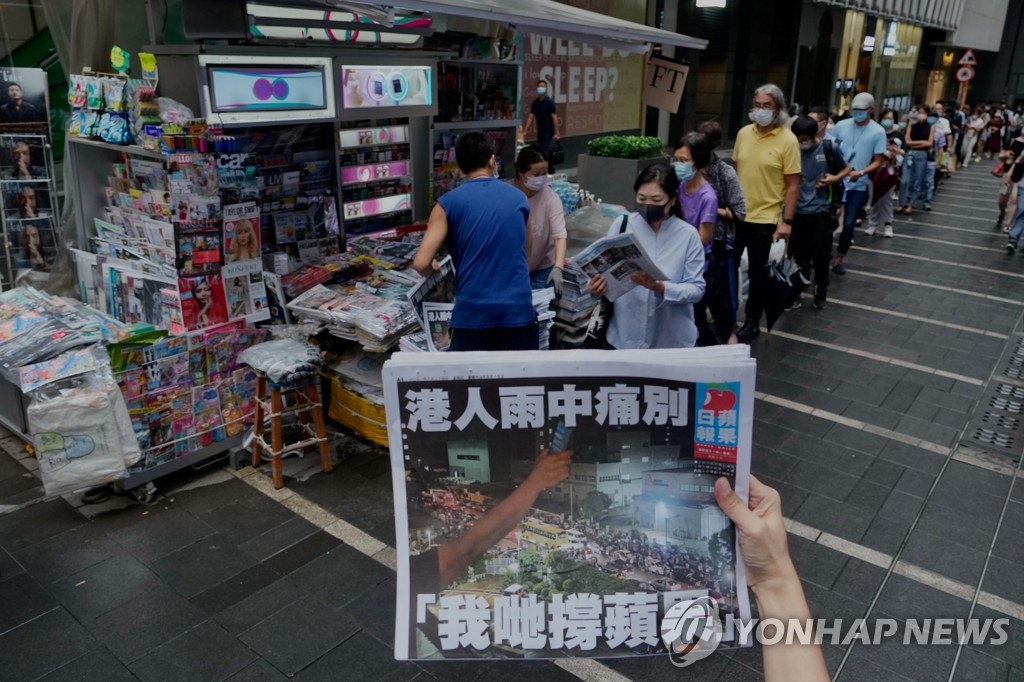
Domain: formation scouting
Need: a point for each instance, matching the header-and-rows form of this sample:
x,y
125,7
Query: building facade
x,y
823,52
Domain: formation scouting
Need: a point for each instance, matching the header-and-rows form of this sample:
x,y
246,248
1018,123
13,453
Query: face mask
x,y
542,91
887,123
830,127
903,125
652,213
860,116
762,117
807,146
931,120
535,183
684,170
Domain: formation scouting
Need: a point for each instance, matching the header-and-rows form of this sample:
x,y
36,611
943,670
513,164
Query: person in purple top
x,y
698,206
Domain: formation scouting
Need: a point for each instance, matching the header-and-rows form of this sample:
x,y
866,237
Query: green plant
x,y
626,147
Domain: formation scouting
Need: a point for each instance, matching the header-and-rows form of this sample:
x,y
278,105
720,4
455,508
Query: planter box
x,y
610,179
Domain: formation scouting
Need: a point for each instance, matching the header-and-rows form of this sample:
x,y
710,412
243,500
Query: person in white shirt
x,y
658,313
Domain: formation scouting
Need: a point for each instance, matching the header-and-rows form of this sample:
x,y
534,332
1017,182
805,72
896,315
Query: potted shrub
x,y
612,162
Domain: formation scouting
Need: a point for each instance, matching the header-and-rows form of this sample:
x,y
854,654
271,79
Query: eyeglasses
x,y
767,106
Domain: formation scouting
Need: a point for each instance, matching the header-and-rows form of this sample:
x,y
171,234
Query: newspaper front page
x,y
553,504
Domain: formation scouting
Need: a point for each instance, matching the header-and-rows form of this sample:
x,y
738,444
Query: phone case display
x,y
376,176
27,207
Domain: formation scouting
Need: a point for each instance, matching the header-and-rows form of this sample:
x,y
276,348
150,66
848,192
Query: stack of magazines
x,y
35,326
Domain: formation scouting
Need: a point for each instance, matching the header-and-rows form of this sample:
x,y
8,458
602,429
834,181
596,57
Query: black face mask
x,y
652,213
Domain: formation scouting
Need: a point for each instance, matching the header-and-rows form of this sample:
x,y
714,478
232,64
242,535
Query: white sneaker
x,y
870,231
888,232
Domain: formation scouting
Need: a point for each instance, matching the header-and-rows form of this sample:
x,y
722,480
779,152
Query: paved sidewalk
x,y
871,421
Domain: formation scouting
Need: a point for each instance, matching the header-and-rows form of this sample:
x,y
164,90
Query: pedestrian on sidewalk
x,y
885,185
935,159
970,141
864,143
767,159
994,143
920,140
544,116
1014,159
732,208
484,225
821,166
698,204
658,313
1007,188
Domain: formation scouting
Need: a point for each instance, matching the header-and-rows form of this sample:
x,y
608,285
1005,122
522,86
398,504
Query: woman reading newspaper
x,y
657,313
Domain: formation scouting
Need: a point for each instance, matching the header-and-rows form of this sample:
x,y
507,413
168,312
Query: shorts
x,y
1005,189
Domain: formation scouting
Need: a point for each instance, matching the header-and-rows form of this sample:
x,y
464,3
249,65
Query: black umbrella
x,y
785,284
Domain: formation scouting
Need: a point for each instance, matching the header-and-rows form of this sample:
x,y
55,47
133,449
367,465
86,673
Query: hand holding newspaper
x,y
617,257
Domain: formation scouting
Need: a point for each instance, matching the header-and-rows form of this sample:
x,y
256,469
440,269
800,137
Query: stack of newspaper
x,y
414,343
379,328
542,299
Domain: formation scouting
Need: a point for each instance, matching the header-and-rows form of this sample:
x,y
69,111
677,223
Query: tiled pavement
x,y
861,408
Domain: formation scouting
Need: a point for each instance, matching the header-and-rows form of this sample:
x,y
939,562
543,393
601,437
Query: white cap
x,y
863,100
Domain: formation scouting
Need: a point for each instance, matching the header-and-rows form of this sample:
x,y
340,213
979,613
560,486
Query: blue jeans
x,y
856,200
539,278
929,183
914,170
1018,219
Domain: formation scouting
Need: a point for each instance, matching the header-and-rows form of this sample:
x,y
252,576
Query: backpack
x,y
835,161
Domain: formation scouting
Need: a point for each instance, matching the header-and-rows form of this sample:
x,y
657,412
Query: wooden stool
x,y
305,401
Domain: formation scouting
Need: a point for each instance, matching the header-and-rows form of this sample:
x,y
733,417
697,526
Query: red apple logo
x,y
717,400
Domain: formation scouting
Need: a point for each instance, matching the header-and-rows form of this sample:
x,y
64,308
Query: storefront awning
x,y
550,18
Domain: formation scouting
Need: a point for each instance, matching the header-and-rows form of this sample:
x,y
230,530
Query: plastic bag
x,y
172,111
589,224
79,422
282,359
777,252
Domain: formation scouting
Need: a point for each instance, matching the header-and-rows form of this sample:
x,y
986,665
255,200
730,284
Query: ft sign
x,y
664,84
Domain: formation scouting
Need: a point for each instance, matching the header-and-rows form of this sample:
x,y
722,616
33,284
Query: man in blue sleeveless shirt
x,y
484,225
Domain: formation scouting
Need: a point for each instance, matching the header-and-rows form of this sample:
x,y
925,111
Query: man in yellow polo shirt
x,y
767,160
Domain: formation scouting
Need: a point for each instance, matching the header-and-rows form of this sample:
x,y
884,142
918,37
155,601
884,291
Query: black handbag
x,y
601,317
556,154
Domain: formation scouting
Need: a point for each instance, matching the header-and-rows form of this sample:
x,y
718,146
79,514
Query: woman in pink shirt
x,y
547,220
698,206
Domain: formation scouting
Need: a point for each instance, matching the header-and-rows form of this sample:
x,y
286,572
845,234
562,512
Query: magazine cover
x,y
199,247
26,199
241,232
23,105
556,504
23,157
202,301
245,292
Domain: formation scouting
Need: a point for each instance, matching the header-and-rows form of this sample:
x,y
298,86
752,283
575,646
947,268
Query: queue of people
x,y
802,179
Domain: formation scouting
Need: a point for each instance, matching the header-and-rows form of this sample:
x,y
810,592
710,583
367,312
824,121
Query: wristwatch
x,y
787,222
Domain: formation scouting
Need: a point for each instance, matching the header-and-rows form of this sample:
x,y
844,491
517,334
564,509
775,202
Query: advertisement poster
x,y
365,87
245,292
559,507
596,89
241,232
